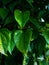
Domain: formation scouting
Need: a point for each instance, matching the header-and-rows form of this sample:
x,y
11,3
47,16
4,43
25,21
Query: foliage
x,y
24,32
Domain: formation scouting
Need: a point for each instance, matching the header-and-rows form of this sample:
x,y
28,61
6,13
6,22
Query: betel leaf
x,y
11,42
41,14
46,35
21,17
35,22
3,13
22,39
4,34
1,47
3,41
30,2
39,45
11,6
8,20
7,40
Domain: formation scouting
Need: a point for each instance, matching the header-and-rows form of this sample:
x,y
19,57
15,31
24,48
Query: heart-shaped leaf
x,y
22,39
21,17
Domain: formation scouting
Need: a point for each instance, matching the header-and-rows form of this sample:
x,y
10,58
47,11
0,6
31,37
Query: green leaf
x,y
47,25
41,14
46,35
3,13
11,43
4,41
7,40
11,6
8,20
22,39
35,22
39,45
30,2
44,62
1,47
21,17
6,1
47,53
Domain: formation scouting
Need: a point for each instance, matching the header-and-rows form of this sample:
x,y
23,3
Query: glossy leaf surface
x,y
21,17
22,39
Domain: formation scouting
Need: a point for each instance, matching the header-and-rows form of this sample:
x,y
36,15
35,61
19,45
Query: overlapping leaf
x,y
3,13
4,39
22,39
46,35
1,47
11,43
8,20
35,22
39,45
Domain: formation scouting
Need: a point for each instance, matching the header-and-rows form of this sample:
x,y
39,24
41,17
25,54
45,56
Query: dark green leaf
x,y
35,22
30,2
44,63
11,6
46,35
3,13
8,20
41,14
39,45
6,1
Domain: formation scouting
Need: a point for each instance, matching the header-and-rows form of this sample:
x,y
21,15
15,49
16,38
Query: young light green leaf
x,y
21,17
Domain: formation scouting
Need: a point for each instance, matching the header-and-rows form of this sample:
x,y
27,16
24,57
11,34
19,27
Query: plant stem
x,y
25,61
